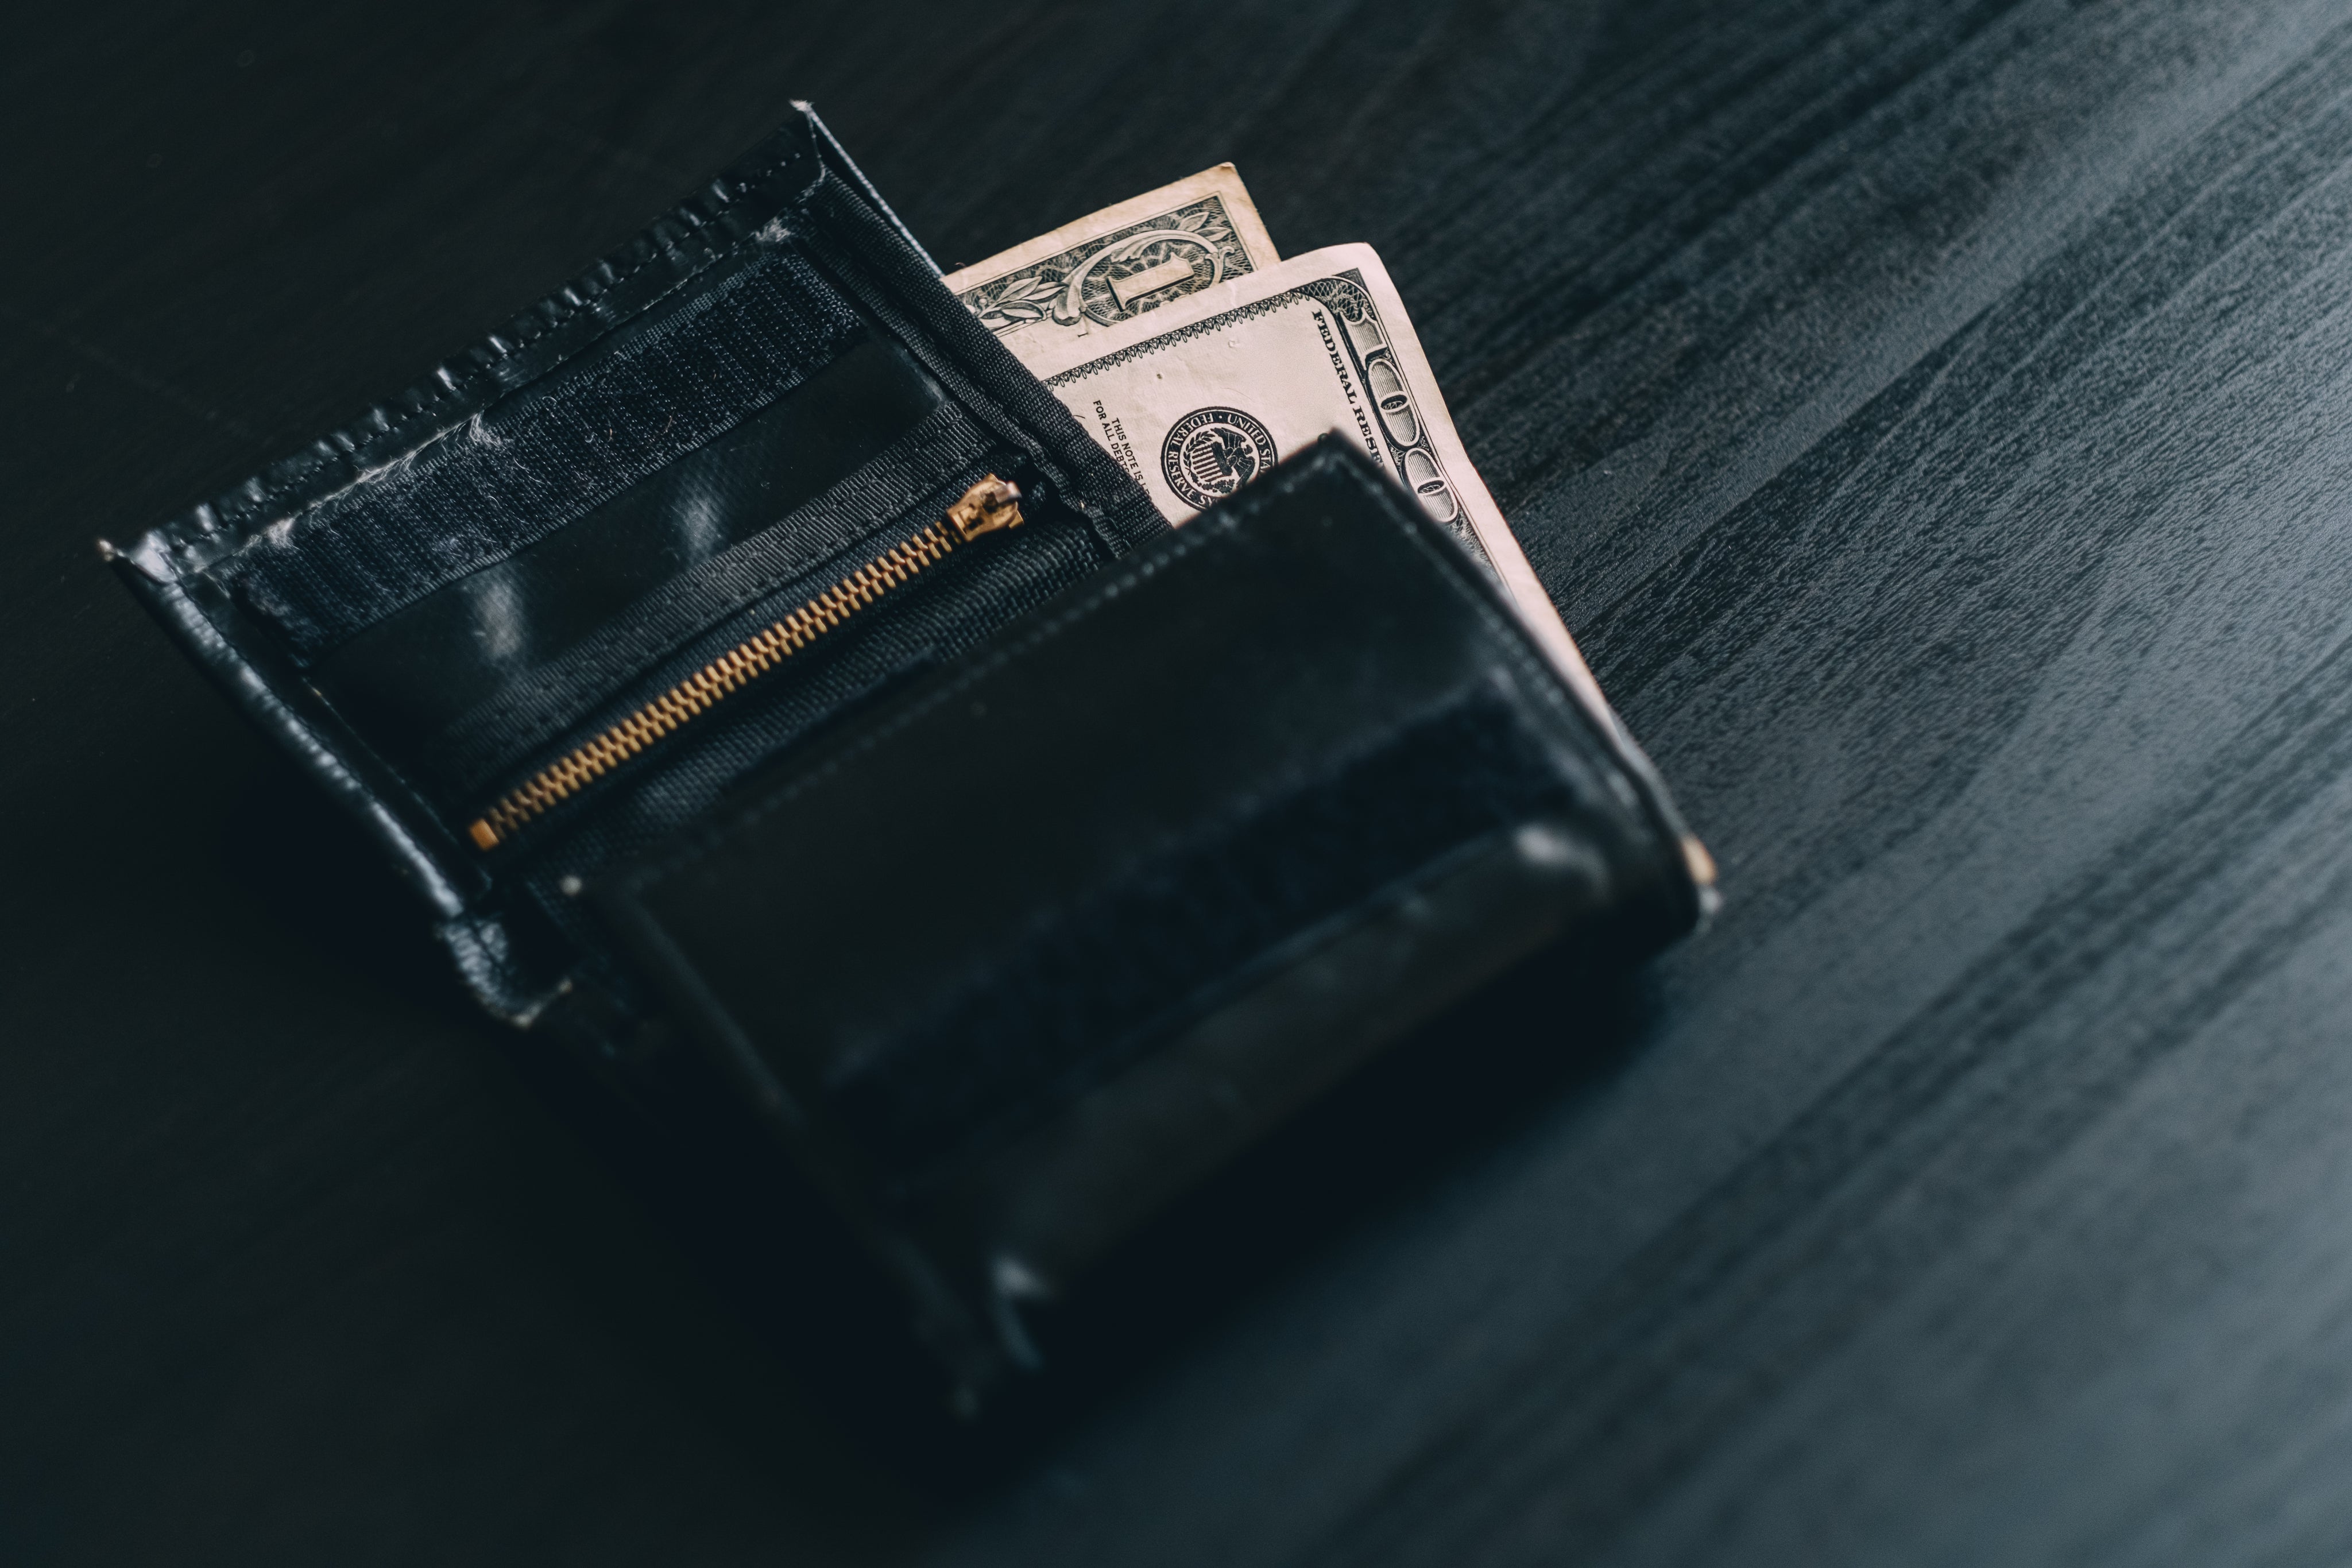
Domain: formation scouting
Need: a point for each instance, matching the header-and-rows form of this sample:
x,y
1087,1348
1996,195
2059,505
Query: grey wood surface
x,y
1933,418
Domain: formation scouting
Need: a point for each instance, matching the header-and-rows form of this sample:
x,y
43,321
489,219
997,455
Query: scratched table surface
x,y
1933,417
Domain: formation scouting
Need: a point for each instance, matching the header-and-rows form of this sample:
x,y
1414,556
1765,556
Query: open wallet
x,y
748,660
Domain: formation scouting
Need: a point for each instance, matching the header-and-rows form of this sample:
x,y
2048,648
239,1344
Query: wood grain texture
x,y
1934,419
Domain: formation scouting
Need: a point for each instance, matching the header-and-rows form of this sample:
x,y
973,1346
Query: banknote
x,y
1203,395
1115,265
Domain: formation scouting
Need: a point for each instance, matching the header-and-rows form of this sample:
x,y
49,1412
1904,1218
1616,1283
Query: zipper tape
x,y
991,505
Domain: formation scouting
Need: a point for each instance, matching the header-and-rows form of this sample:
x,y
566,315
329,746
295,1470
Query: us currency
x,y
1113,265
1208,392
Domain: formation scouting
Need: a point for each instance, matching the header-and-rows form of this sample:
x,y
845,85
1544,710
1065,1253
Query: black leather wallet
x,y
740,648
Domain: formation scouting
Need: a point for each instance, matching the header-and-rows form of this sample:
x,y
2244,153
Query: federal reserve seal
x,y
1213,451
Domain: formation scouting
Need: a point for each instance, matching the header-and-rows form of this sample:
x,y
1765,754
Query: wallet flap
x,y
1301,751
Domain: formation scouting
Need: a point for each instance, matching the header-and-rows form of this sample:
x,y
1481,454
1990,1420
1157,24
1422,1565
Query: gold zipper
x,y
988,507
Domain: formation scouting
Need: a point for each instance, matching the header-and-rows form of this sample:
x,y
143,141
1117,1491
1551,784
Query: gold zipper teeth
x,y
987,507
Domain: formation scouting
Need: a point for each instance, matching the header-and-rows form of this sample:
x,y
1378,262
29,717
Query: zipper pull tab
x,y
987,507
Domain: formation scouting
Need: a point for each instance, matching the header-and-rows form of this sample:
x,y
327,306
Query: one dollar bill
x,y
1113,265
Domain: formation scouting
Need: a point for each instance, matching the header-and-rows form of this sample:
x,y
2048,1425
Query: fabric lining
x,y
808,544
529,466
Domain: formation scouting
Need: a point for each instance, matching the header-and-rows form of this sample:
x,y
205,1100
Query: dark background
x,y
1931,416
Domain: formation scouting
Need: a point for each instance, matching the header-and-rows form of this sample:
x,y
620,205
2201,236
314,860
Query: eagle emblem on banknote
x,y
1118,275
1213,451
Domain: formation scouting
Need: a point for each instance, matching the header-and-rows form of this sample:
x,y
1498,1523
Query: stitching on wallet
x,y
260,494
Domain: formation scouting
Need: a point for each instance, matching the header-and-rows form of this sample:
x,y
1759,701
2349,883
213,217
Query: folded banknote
x,y
1199,362
1113,265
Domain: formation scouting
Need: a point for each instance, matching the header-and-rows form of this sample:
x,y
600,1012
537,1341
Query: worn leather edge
x,y
254,694
836,158
669,252
1648,794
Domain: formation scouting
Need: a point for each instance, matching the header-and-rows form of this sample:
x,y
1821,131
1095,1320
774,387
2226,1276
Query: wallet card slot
x,y
476,646
538,461
804,553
